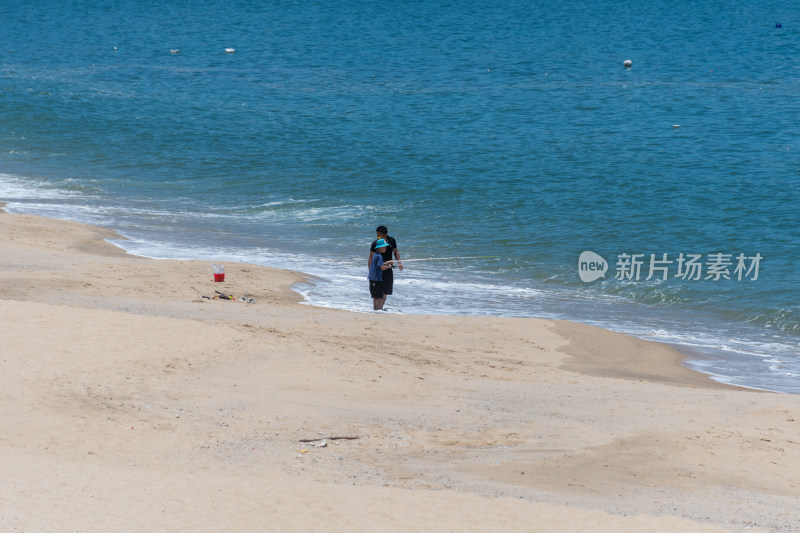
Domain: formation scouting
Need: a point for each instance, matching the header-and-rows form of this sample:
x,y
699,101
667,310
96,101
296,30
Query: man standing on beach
x,y
378,269
391,249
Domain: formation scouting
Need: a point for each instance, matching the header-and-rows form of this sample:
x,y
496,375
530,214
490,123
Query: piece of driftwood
x,y
329,438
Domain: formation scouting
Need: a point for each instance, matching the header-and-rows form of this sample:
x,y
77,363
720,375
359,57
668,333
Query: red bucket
x,y
219,271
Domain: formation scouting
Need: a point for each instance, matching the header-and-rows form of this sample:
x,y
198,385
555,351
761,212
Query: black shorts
x,y
388,281
376,289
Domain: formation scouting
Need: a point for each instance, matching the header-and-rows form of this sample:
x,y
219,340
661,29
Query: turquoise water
x,y
508,134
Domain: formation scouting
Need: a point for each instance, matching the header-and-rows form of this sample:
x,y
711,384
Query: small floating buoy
x,y
229,50
627,63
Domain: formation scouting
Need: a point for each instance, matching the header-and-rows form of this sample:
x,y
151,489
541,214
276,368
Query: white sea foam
x,y
16,188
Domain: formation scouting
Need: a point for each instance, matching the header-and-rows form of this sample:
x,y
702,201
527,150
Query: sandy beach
x,y
129,402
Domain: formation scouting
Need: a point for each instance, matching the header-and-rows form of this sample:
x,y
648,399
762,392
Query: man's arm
x,y
397,257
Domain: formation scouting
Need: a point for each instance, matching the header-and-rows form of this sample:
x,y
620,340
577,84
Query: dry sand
x,y
128,402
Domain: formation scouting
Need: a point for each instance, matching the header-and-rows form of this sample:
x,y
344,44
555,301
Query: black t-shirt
x,y
387,255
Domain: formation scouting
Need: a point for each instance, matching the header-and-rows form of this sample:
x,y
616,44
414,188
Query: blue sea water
x,y
506,133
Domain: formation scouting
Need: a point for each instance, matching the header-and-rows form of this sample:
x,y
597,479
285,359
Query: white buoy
x,y
229,50
627,63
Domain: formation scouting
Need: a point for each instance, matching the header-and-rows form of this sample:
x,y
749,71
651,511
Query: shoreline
x,y
127,396
747,372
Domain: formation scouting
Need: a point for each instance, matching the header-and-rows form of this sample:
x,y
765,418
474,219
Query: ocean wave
x,y
15,188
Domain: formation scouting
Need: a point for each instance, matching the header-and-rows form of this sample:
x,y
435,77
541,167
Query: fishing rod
x,y
395,261
443,258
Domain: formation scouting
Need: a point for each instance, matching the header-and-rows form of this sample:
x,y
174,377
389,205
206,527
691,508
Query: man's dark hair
x,y
382,229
